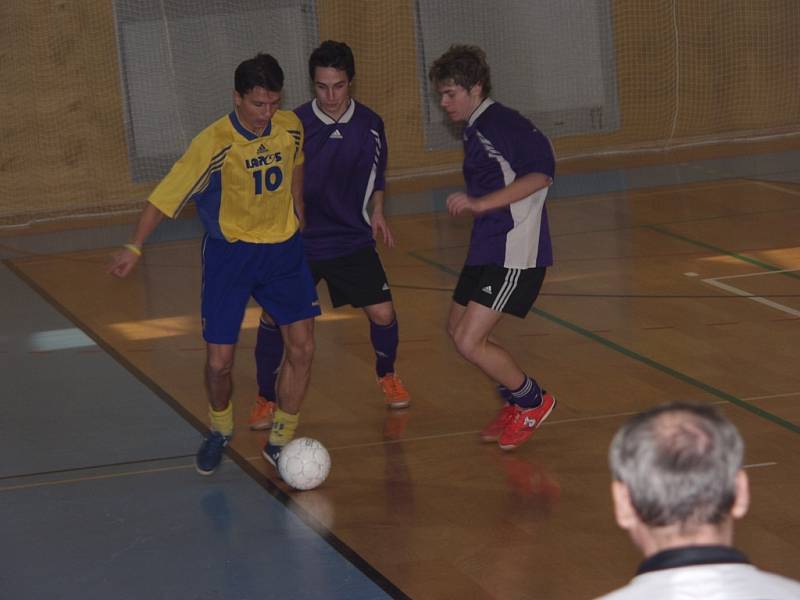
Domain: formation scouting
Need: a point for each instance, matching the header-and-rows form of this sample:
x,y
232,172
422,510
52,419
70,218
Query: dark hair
x,y
463,65
679,462
333,54
260,71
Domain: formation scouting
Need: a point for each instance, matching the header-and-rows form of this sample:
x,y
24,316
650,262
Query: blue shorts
x,y
276,275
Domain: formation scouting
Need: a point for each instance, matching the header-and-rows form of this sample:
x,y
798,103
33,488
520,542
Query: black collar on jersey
x,y
246,133
688,556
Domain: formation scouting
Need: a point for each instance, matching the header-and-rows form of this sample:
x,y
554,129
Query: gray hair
x,y
679,462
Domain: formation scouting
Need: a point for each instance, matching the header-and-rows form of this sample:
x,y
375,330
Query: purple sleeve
x,y
527,149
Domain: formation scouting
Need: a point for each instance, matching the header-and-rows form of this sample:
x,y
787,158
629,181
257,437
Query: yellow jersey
x,y
240,182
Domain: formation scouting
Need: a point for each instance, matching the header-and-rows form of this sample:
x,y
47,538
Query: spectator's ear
x,y
624,512
742,501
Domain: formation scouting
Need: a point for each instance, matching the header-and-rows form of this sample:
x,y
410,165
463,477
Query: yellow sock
x,y
283,428
222,420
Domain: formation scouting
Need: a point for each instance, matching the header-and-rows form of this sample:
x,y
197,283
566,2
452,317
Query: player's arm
x,y
513,192
297,195
380,228
123,261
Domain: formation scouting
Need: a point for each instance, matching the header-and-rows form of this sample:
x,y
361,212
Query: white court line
x,y
546,423
369,445
715,281
756,274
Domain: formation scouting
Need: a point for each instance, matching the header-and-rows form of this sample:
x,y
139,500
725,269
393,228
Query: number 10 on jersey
x,y
270,178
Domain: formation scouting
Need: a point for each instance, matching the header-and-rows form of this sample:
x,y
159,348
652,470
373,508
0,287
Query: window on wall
x,y
553,61
177,59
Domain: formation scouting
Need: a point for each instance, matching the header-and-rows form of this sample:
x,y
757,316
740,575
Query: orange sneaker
x,y
261,415
397,395
492,432
525,421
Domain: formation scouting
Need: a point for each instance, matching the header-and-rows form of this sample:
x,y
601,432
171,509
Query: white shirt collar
x,y
486,103
326,118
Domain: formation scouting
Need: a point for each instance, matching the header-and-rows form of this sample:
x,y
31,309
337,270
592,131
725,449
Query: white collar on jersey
x,y
486,103
326,118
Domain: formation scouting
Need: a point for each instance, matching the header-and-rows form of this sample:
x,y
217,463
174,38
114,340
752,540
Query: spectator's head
x,y
677,472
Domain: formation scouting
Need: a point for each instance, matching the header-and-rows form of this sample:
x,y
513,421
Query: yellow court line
x,y
93,478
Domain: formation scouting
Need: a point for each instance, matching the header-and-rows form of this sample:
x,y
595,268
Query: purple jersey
x,y
345,162
500,145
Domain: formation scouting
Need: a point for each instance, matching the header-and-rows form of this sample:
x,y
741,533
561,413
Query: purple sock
x,y
505,393
269,354
385,339
529,395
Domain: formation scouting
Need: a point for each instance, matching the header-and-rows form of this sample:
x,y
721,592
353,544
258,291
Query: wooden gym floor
x,y
666,286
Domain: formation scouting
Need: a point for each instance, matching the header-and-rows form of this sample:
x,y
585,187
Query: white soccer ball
x,y
304,463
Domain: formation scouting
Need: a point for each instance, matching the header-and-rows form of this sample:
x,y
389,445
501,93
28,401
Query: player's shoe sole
x,y
493,431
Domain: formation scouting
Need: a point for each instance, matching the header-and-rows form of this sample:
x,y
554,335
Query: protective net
x,y
98,99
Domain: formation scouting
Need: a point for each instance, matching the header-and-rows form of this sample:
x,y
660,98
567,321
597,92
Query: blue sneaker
x,y
210,453
271,454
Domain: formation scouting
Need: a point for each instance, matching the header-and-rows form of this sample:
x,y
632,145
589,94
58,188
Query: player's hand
x,y
460,202
380,229
122,263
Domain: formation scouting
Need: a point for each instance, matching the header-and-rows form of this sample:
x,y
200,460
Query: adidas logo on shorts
x,y
487,289
385,287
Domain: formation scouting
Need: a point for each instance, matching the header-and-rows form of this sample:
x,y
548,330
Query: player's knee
x,y
218,366
301,352
465,345
382,314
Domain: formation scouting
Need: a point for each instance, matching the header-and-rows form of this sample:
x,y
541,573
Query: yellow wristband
x,y
133,248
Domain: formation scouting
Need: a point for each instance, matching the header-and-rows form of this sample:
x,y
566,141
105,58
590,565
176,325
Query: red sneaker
x,y
525,421
492,432
261,415
396,394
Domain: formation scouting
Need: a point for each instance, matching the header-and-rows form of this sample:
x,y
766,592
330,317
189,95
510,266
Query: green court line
x,y
741,257
743,404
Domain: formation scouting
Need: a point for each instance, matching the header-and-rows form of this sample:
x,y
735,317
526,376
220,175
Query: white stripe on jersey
x,y
522,242
508,287
372,175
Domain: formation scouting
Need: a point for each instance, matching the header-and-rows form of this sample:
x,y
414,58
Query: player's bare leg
x,y
470,328
298,339
381,314
219,386
219,382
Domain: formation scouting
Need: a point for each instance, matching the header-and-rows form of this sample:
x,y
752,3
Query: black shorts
x,y
357,279
506,290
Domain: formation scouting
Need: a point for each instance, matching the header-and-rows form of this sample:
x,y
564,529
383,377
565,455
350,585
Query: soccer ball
x,y
304,463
